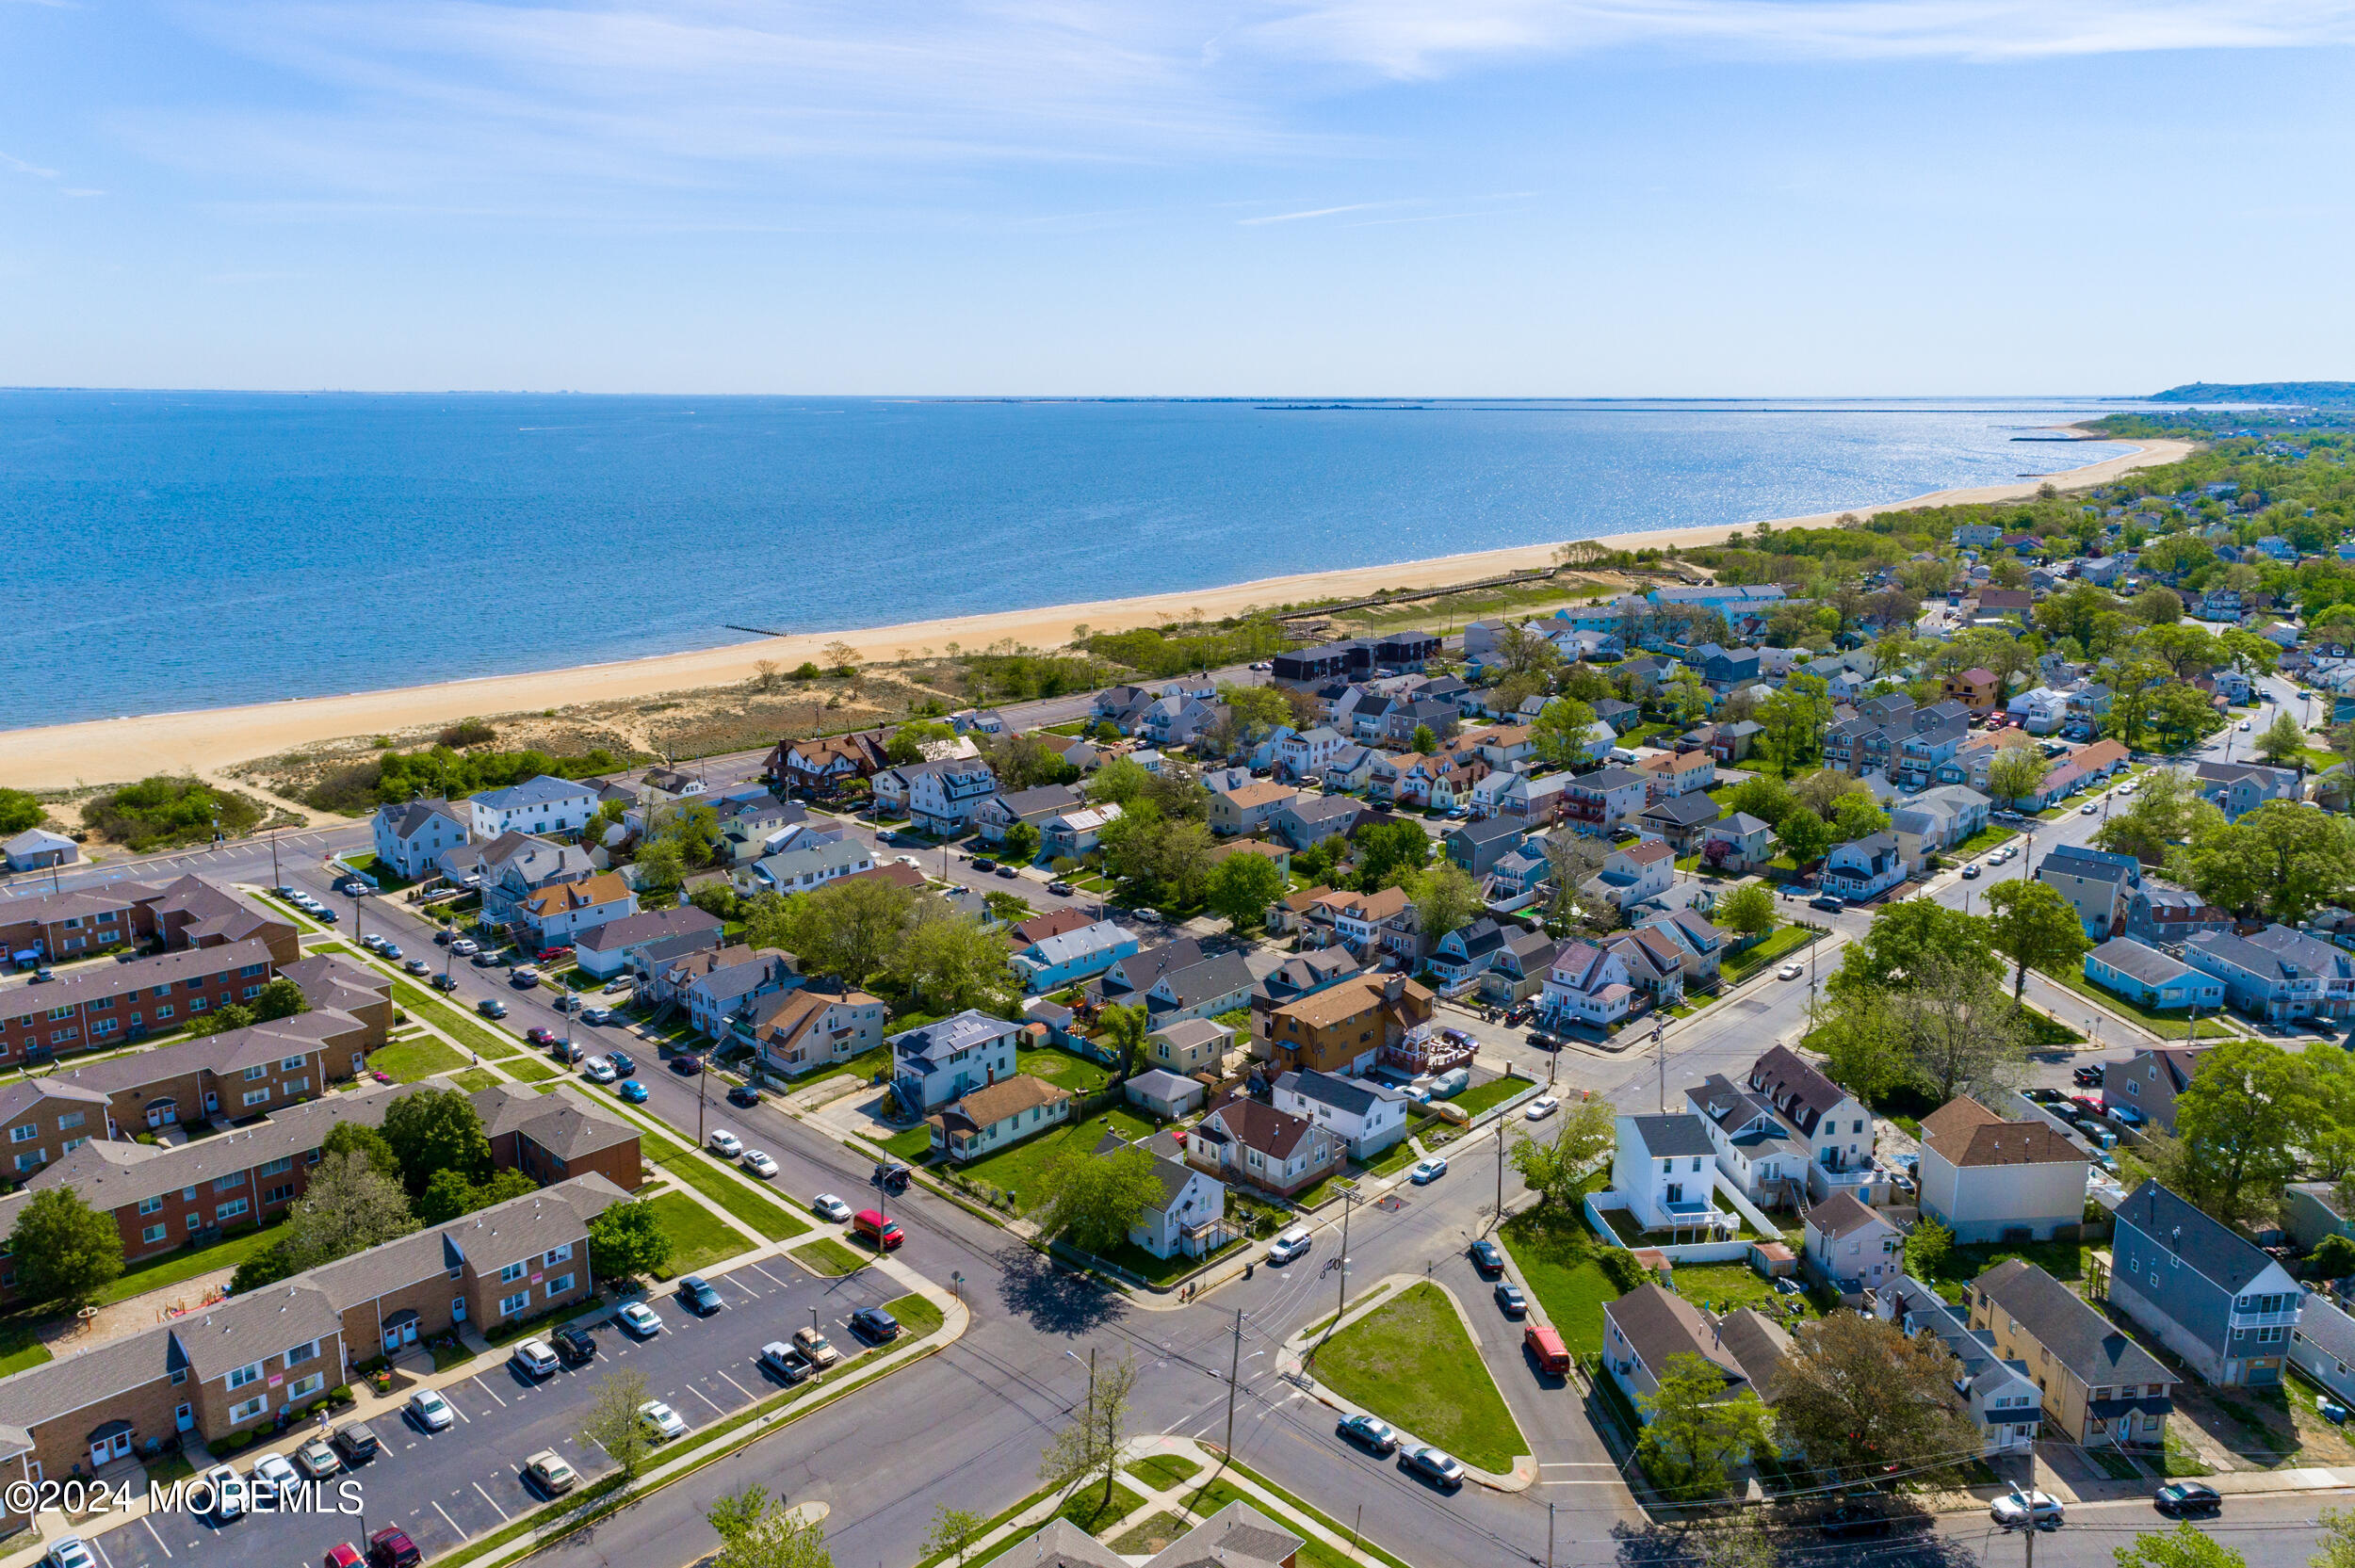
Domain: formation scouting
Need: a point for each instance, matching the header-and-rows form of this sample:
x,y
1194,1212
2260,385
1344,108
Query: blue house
x,y
2278,973
2212,1296
1054,962
940,1063
2145,975
1724,668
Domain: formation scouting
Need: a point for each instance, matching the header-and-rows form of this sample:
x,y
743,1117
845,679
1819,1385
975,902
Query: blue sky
x,y
1450,197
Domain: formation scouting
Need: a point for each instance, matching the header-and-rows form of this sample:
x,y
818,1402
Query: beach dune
x,y
69,756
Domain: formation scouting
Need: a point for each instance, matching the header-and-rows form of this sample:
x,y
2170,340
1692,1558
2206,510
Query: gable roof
x,y
1966,1134
2218,1251
1273,1132
994,1103
1674,1135
2061,1321
1659,1323
1841,1215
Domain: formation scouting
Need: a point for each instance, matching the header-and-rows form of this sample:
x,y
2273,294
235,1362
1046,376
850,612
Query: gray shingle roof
x,y
2061,1321
566,1124
1342,1094
2219,1254
94,981
633,930
2145,964
1674,1136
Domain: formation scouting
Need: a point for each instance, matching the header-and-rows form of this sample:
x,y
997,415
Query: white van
x,y
1290,1245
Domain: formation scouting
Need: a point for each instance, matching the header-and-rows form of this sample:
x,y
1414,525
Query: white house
x,y
1987,1179
1851,1246
1936,820
1302,755
1763,1159
1665,1167
1189,1217
1365,1116
803,867
1586,984
1864,867
1647,1328
942,1062
1633,874
943,796
997,1114
541,806
1836,1126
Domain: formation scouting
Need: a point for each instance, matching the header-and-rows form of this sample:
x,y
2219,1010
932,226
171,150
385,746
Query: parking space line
x,y
451,1521
487,1389
492,1501
733,1384
101,1551
764,1273
705,1398
150,1530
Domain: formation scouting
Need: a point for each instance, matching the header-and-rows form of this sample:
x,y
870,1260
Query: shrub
x,y
161,811
1620,1267
467,732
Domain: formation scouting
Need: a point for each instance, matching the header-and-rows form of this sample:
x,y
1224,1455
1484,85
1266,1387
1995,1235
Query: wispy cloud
x,y
1312,212
19,166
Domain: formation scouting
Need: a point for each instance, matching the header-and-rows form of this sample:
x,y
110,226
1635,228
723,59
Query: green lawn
x,y
1398,1156
1017,1169
698,1237
1725,1286
1771,950
1089,1509
19,1343
175,1268
1146,1539
407,1060
472,1078
476,1036
911,1145
863,1065
1163,1471
698,1171
532,1070
1410,1361
2166,1026
828,1256
2064,1260
916,1316
1480,1097
1984,839
1558,1260
1064,1070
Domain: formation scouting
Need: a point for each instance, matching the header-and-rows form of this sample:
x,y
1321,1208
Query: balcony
x,y
2264,1319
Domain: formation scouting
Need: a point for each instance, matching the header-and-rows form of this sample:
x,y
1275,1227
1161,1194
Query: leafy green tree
x,y
1863,1041
1803,836
907,742
1857,816
1927,1248
1761,796
2284,742
1258,709
356,1137
2189,1546
628,1240
756,1530
436,1129
2183,712
1092,1200
1123,1026
1390,852
347,1206
2165,812
1244,885
1695,1432
612,1423
447,1196
1957,1028
1120,780
1902,939
719,900
221,1020
2283,858
952,1534
1095,1441
661,871
950,961
66,1253
280,999
1555,1167
849,927
2241,1121
19,811
1858,1393
2183,649
1021,843
1424,743
1446,898
1688,697
1747,910
2250,653
2032,925
1793,721
1559,734
2016,773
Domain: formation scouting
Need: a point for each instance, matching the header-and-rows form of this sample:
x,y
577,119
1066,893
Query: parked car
x,y
661,1422
726,1143
1830,903
1061,889
1541,1108
759,1164
743,1095
815,1347
2086,1078
356,1440
491,1007
1427,1170
785,1361
827,1206
573,1348
699,1298
318,1458
275,1472
1510,1300
874,1325
632,1091
597,1015
2177,1498
465,947
639,1319
1790,972
534,1359
540,1037
1369,1433
547,1471
418,967
1488,1258
2015,1511
227,1489
623,1062
444,982
431,1410
1290,1245
1853,1522
391,1548
599,1069
1441,1469
1971,872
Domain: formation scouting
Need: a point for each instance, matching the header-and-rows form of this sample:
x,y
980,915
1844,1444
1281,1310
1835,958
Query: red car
x,y
391,1548
538,1036
549,955
344,1556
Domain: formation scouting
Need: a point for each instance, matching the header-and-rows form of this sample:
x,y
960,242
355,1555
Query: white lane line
x,y
733,1384
764,1273
101,1551
705,1398
492,1501
150,1530
451,1521
487,1389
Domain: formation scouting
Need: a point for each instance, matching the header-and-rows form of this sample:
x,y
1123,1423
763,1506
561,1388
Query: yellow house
x,y
2100,1388
1189,1046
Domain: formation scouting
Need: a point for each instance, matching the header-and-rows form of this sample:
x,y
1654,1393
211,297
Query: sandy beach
x,y
67,756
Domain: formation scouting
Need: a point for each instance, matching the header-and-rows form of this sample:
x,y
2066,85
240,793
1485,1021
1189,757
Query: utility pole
x,y
1234,1370
1660,1050
703,1070
1500,1173
1549,1535
1341,1264
275,880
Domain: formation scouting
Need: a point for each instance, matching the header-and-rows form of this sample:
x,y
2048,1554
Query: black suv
x,y
573,1347
1487,1259
699,1298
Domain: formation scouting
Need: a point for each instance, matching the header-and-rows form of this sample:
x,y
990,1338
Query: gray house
x,y
2212,1296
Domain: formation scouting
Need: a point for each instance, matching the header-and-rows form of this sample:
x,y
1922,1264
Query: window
x,y
24,1134
297,1086
558,1255
302,1388
153,1234
509,1305
300,1353
277,1167
72,1119
250,1372
163,1011
253,1073
195,1004
229,1211
149,1205
230,1183
256,1096
283,1193
292,1064
512,1272
31,1161
559,1285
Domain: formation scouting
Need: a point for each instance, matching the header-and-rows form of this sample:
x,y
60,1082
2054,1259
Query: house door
x,y
1675,1192
2232,1373
103,1448
163,1113
211,1102
457,1310
183,1418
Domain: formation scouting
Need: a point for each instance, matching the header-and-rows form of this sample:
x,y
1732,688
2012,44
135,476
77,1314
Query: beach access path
x,y
112,750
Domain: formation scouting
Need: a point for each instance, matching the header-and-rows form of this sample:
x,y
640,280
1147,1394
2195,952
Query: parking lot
x,y
446,1487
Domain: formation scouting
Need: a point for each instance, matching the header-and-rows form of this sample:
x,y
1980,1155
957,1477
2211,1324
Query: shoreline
x,y
114,751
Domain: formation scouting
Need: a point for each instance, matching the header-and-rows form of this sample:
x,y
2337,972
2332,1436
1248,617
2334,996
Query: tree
x,y
1688,697
756,1530
2188,1546
2016,772
66,1253
1390,852
1802,835
19,811
2284,742
1256,708
1761,796
1019,845
1244,885
952,1534
1092,1200
449,1195
1905,936
436,1129
1694,1432
1446,898
1793,721
1120,780
2284,859
356,1137
280,999
1559,734
1863,1046
1747,910
221,1020
2165,813
849,927
1095,1440
1927,1248
2249,653
1025,762
2183,649
1858,1393
907,742
1857,816
1822,791
950,961
612,1423
1425,742
1959,1027
719,900
661,871
347,1206
1123,1027
1555,1169
2241,1121
628,1240
2032,925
